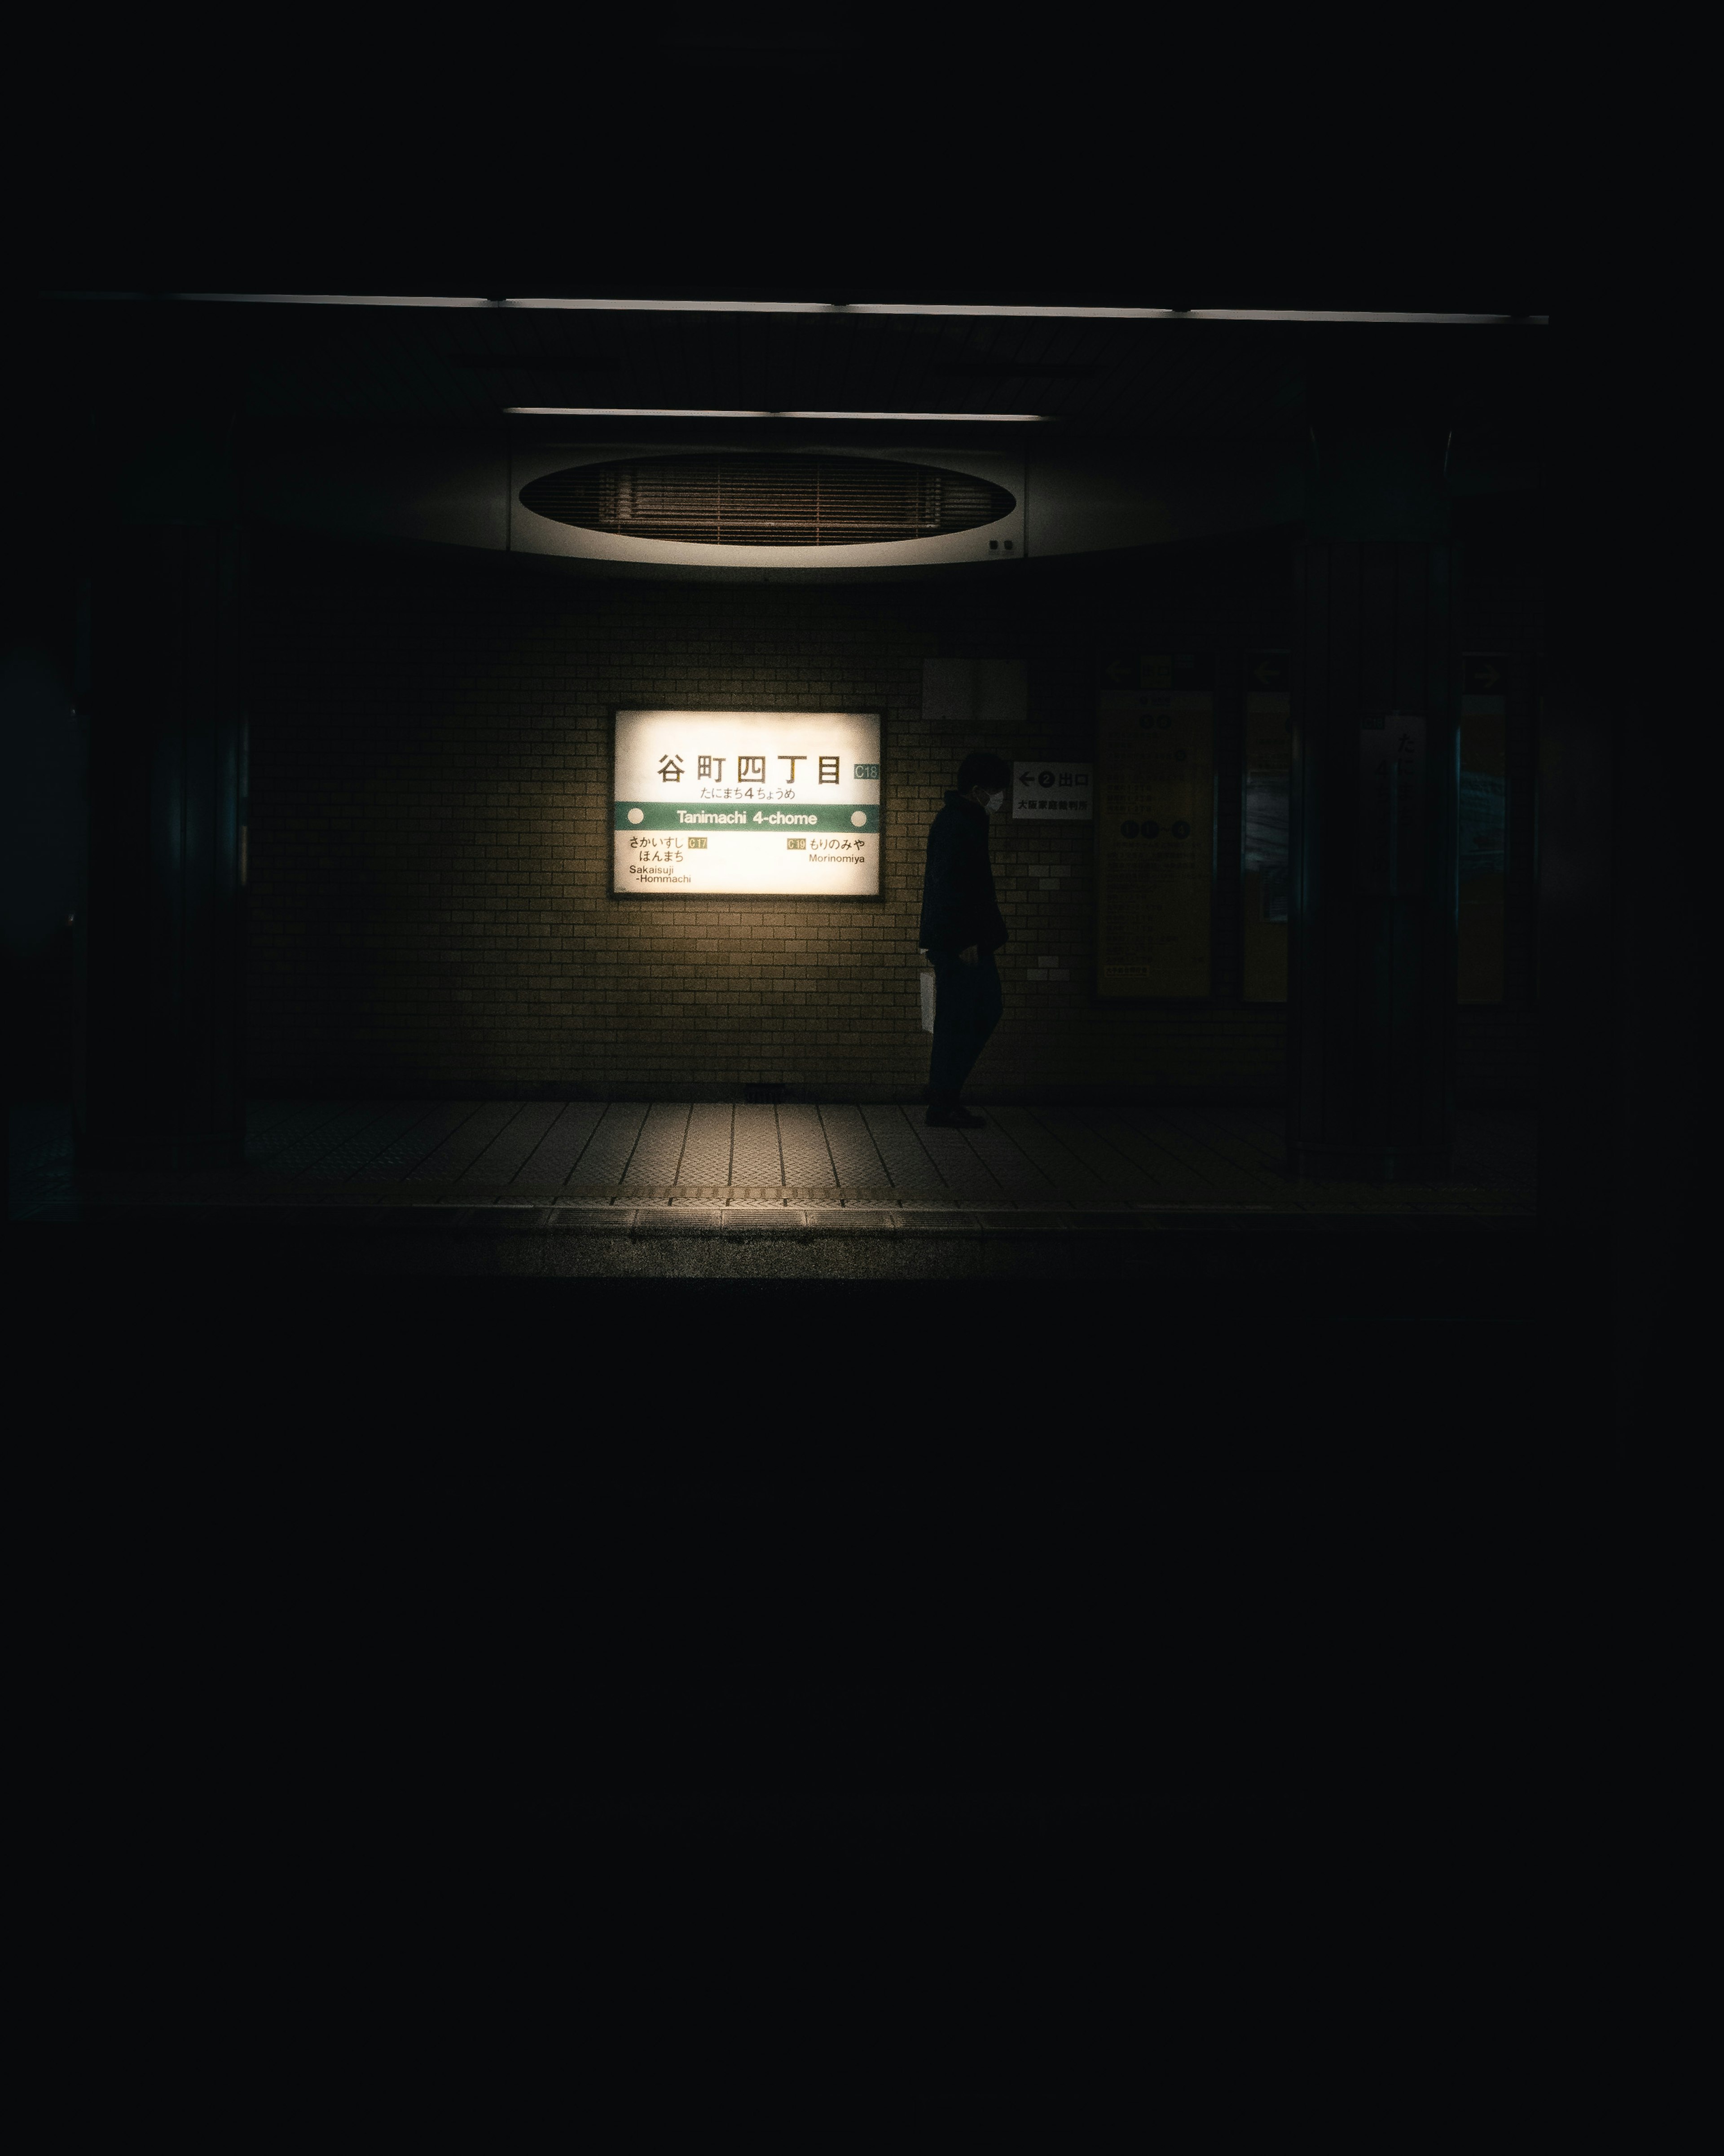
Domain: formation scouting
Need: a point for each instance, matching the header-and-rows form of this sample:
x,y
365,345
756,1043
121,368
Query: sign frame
x,y
877,897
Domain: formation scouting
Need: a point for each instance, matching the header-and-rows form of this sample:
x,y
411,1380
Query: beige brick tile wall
x,y
429,905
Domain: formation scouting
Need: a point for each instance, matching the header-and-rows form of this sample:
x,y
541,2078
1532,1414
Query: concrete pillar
x,y
161,1081
1374,797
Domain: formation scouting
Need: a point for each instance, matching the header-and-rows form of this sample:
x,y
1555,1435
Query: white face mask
x,y
996,802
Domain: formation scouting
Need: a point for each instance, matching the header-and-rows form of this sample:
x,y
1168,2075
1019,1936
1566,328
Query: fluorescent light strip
x,y
819,307
690,411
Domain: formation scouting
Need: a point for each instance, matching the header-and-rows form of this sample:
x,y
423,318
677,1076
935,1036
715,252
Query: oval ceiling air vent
x,y
767,500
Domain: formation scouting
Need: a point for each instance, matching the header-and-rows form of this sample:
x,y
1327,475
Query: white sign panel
x,y
772,804
1053,793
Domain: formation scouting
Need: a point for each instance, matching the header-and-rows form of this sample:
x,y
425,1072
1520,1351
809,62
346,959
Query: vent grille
x,y
767,500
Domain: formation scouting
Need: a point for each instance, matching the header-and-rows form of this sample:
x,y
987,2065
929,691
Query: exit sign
x,y
1053,793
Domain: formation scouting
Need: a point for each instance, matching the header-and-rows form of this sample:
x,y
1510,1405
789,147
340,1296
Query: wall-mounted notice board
x,y
1154,827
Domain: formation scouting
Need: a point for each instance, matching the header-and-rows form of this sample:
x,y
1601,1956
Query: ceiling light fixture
x,y
818,307
688,412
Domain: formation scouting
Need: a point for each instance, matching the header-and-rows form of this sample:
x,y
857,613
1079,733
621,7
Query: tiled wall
x,y
429,905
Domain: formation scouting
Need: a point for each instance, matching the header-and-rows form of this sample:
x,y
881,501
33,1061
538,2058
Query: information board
x,y
1155,827
768,804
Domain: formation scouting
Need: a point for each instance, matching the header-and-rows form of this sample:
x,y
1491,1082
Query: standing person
x,y
960,931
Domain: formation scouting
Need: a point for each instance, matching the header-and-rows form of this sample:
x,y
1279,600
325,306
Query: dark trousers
x,y
966,1010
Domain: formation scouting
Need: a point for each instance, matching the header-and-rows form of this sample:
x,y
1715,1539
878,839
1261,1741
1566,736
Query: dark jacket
x,y
958,904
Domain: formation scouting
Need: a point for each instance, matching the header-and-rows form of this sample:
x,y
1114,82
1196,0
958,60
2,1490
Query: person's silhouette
x,y
960,931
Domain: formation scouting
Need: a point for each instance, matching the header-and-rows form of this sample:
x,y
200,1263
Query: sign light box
x,y
778,805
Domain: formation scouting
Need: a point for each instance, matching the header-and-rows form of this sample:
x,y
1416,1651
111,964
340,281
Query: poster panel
x,y
1482,957
1155,827
780,804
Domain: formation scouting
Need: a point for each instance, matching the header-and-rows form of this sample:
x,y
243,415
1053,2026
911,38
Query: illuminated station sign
x,y
766,803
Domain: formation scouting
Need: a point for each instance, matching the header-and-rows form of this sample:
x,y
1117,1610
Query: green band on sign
x,y
775,818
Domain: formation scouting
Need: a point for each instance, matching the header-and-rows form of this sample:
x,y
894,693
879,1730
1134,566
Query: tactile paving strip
x,y
755,1157
706,1147
607,1155
801,1142
463,1146
659,1148
563,1144
434,1126
855,1157
514,1145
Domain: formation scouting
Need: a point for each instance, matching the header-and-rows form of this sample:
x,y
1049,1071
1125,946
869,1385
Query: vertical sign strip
x,y
1268,768
1391,806
1155,827
1482,958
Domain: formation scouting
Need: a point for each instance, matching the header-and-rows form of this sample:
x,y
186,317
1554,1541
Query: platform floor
x,y
628,1191
624,1159
996,1511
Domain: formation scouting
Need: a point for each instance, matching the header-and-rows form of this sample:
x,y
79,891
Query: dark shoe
x,y
956,1119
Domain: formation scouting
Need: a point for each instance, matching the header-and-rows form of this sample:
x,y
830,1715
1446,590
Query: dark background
x,y
1376,1542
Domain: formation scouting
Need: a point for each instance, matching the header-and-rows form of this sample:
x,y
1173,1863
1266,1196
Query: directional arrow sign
x,y
1054,792
1484,677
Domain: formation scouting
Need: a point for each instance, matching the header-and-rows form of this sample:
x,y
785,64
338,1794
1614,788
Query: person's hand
x,y
970,956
